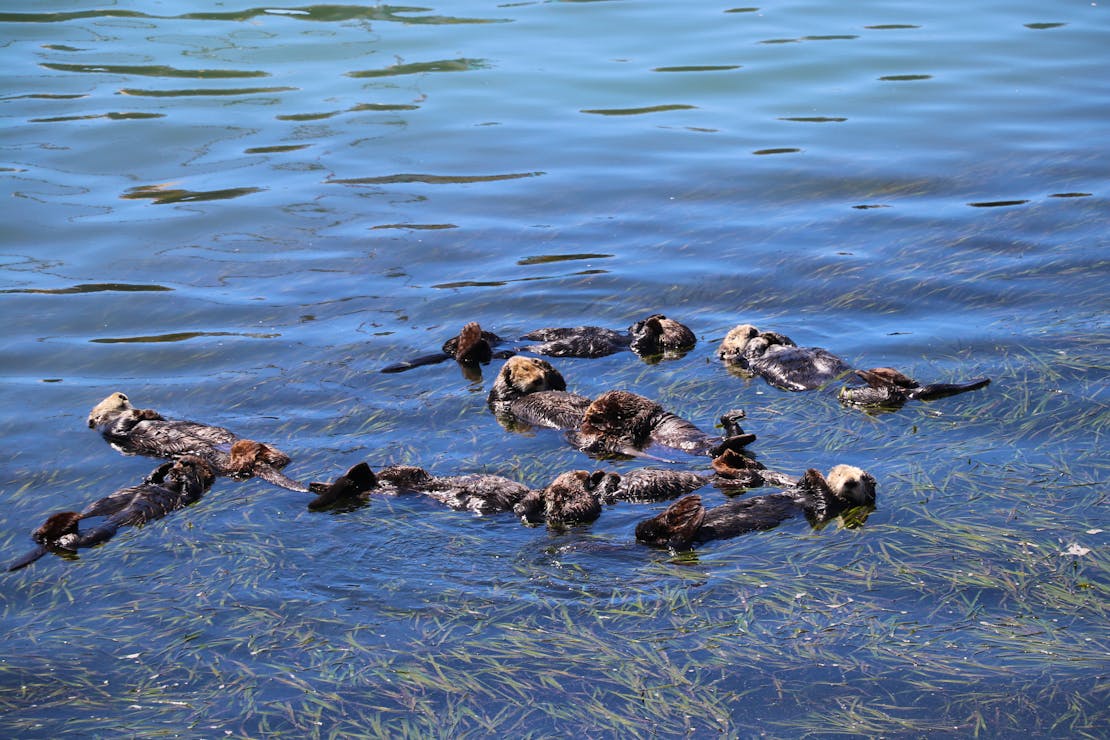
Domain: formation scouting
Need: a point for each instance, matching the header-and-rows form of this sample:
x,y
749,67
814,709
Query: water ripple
x,y
637,111
159,194
433,179
155,70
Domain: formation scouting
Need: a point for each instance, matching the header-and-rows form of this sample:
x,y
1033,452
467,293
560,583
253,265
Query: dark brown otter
x,y
470,348
687,522
172,485
529,390
577,497
653,337
623,423
735,469
146,432
477,492
886,387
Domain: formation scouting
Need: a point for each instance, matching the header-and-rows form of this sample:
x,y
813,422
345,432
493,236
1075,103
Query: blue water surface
x,y
240,214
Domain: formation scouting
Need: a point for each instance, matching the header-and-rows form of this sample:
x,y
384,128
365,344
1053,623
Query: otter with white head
x,y
146,432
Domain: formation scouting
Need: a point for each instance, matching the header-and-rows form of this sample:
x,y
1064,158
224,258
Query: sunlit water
x,y
238,215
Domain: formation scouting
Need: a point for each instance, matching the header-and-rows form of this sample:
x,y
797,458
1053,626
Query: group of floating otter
x,y
530,391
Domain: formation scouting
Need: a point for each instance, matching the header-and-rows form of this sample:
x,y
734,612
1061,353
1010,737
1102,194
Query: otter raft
x,y
601,369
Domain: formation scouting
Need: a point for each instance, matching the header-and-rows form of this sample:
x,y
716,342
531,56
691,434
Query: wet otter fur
x,y
477,492
529,390
172,485
470,348
687,522
624,423
783,364
886,387
654,336
778,360
146,432
576,497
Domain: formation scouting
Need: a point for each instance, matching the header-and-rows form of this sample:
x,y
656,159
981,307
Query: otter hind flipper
x,y
356,481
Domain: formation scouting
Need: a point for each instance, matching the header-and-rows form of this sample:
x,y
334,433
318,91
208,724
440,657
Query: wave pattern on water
x,y
946,216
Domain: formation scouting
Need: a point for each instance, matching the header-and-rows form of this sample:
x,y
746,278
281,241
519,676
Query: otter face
x,y
193,473
247,453
572,498
657,333
852,485
735,343
524,375
108,409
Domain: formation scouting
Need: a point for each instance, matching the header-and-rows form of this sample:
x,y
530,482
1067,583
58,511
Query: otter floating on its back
x,y
532,391
687,522
624,423
172,486
653,337
785,365
477,492
146,432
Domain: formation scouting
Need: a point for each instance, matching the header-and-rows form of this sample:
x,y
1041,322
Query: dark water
x,y
238,215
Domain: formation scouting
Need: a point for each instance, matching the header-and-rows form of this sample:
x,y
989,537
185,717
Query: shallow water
x,y
238,215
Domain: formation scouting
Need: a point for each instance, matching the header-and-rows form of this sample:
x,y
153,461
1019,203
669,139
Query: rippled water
x,y
239,215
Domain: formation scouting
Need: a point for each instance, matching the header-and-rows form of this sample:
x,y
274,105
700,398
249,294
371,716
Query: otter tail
x,y
943,390
268,474
28,558
400,367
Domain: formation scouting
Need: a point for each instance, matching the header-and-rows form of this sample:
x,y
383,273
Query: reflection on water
x,y
363,201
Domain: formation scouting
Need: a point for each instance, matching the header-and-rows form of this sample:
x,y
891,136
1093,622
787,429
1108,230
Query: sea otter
x,y
778,360
470,348
783,364
146,432
172,485
687,522
623,423
891,389
576,497
477,492
531,391
654,336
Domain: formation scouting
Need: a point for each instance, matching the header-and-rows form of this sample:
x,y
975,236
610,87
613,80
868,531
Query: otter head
x,y
246,454
520,376
657,333
108,409
58,529
187,473
851,485
734,346
617,421
572,498
676,526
